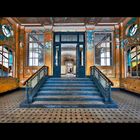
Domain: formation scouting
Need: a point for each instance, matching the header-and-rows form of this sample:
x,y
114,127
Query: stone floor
x,y
128,111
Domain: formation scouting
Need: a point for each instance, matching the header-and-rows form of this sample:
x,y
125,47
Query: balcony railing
x,y
34,82
102,82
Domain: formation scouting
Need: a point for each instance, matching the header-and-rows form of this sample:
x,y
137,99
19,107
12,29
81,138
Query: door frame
x,y
57,70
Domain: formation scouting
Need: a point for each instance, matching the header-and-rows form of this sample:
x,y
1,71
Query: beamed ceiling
x,y
28,21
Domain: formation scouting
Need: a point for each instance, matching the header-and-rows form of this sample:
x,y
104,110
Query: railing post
x,y
109,93
27,92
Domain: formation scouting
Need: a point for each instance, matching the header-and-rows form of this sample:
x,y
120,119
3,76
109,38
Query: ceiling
x,y
36,21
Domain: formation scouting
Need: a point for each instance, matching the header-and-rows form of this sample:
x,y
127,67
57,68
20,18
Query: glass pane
x,y
138,47
68,37
5,59
30,39
81,55
35,45
41,37
56,55
108,44
108,61
35,55
5,54
30,54
0,57
81,38
103,54
138,56
133,54
108,37
133,49
35,62
30,62
5,49
102,45
30,46
5,64
103,62
41,58
108,54
57,38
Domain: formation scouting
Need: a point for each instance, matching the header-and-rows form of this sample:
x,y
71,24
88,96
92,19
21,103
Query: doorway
x,y
69,54
68,60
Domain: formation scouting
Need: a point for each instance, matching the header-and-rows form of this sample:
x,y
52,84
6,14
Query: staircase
x,y
69,93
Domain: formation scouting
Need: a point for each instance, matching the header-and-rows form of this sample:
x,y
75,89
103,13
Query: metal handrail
x,y
102,82
34,82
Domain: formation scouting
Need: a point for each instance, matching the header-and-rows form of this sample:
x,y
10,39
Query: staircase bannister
x,y
34,82
102,82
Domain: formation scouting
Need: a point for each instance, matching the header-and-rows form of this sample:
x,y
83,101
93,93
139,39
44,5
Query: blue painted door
x,y
57,60
80,60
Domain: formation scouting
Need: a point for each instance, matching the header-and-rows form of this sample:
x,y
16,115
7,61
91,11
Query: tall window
x,y
36,50
103,48
133,61
6,61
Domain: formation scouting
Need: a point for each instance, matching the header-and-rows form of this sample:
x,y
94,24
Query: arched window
x,y
133,61
6,61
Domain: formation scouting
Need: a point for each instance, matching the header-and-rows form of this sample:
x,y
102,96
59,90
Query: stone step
x,y
64,80
68,82
68,99
68,96
68,88
68,85
68,102
67,78
66,93
69,91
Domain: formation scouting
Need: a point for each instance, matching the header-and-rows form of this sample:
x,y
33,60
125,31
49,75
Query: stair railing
x,y
102,82
34,82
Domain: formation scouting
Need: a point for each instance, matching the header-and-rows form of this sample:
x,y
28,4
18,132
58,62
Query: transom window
x,y
36,50
133,61
103,48
6,62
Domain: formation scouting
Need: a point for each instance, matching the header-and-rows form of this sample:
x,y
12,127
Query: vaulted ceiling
x,y
26,21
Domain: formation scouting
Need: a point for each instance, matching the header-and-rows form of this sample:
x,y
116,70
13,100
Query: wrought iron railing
x,y
102,82
34,82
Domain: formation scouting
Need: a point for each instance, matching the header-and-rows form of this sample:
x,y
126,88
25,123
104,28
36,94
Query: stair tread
x,y
68,102
73,87
68,96
68,92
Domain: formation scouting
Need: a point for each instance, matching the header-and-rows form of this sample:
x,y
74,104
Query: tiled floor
x,y
128,111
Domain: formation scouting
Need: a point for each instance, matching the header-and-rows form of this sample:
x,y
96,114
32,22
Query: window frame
x,y
111,52
39,43
129,74
8,61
